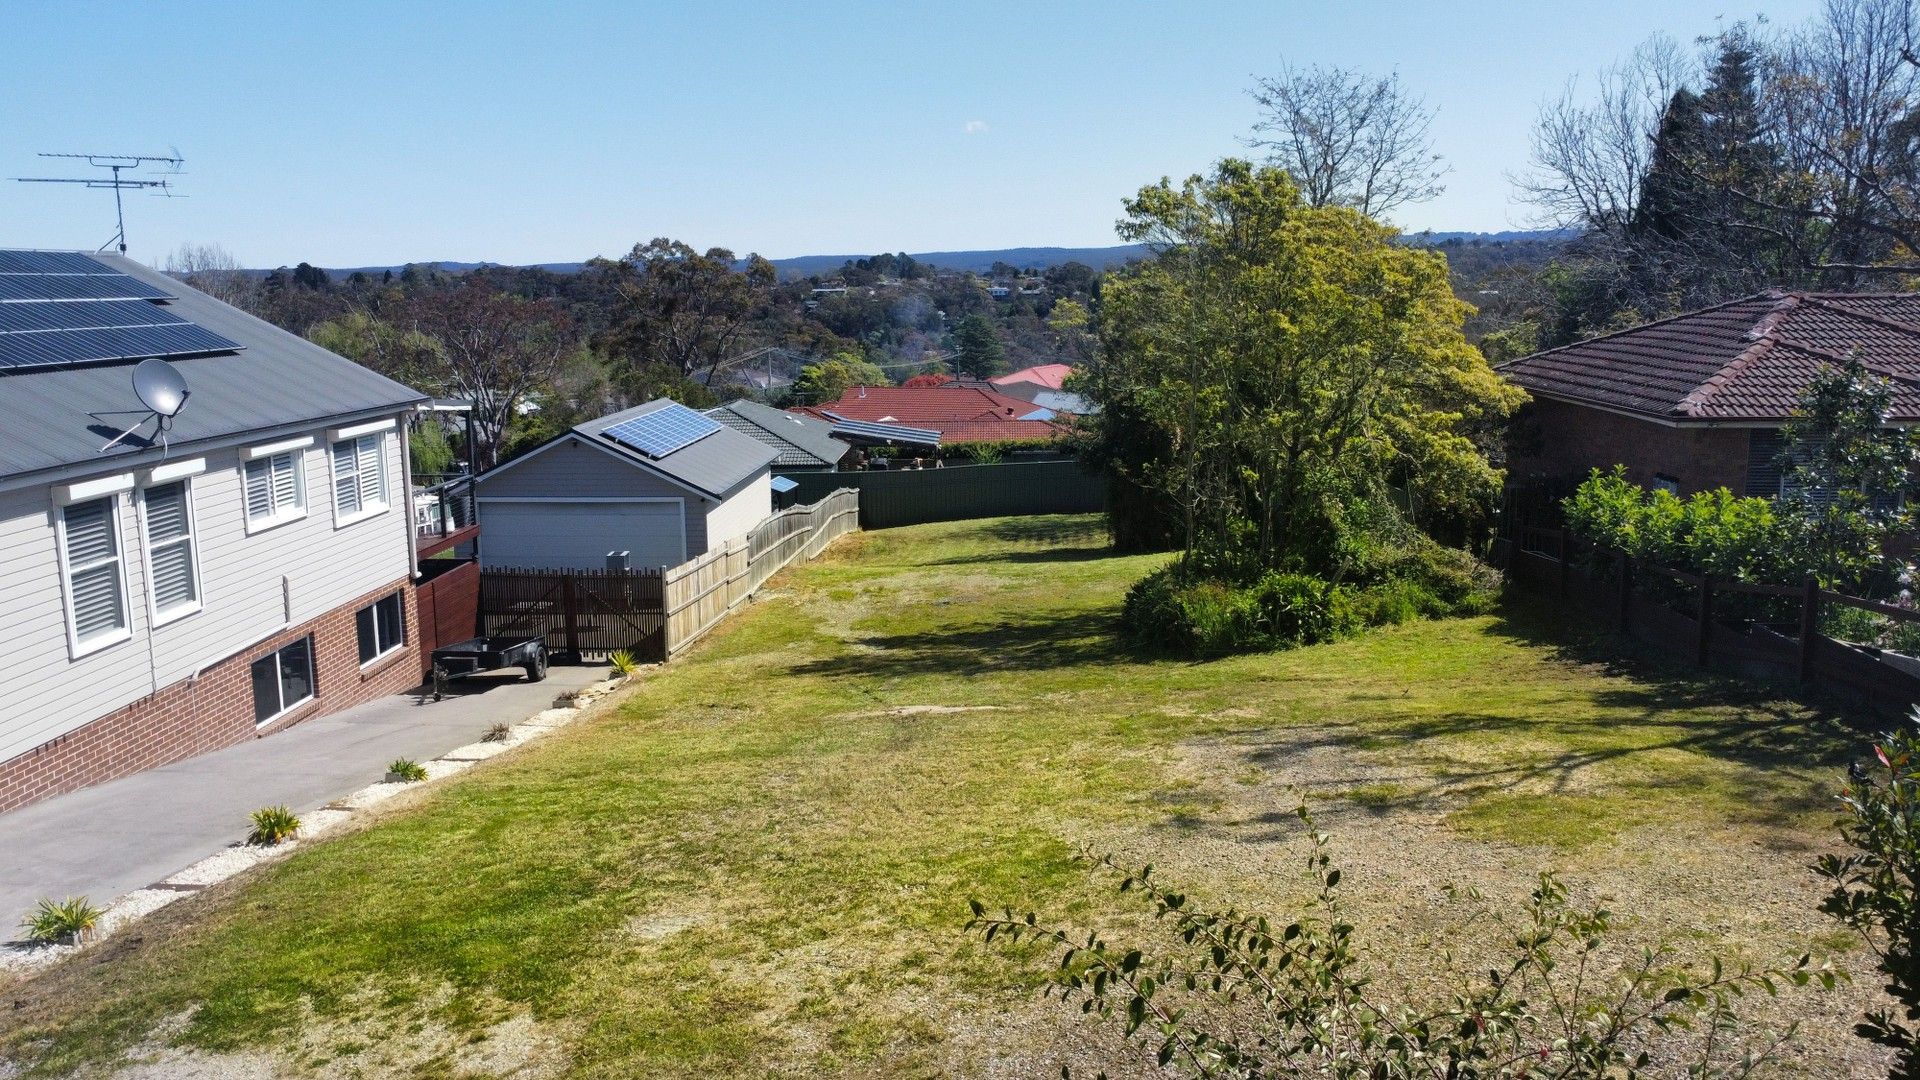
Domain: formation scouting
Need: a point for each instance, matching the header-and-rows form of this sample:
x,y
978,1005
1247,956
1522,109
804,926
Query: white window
x,y
282,680
276,490
173,564
94,578
359,478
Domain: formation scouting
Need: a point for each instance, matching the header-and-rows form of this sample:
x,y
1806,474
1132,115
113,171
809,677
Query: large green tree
x,y
825,381
981,354
1278,363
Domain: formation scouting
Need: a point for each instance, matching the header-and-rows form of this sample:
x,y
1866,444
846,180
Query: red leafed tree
x,y
928,380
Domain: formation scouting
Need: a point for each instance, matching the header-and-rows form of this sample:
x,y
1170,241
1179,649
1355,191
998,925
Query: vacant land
x,y
760,863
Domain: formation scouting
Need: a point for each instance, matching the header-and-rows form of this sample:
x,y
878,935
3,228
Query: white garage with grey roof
x,y
659,482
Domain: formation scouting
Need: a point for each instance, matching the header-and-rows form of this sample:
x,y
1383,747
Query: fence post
x,y
1706,616
1626,591
1809,627
570,601
1564,560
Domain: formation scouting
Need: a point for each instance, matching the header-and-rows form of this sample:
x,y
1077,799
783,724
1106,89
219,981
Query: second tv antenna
x,y
117,163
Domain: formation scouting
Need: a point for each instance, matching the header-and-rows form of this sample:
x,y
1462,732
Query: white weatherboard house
x,y
164,597
659,481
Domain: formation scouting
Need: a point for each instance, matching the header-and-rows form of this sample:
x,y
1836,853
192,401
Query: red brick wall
x,y
1558,441
194,716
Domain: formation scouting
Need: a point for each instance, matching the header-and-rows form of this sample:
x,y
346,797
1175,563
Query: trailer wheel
x,y
537,669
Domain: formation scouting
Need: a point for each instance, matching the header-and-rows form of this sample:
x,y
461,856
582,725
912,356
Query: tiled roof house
x,y
1697,401
959,413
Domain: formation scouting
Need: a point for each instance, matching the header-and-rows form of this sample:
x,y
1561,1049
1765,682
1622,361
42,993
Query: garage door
x,y
570,535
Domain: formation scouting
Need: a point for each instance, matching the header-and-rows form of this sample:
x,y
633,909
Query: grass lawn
x,y
758,864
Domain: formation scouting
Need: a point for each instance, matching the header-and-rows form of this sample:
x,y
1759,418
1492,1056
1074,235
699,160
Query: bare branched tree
x,y
213,270
1348,139
1590,157
495,350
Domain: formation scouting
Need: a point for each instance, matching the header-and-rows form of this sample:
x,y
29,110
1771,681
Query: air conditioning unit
x,y
618,560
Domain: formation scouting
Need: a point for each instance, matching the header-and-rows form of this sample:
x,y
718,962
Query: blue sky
x,y
351,133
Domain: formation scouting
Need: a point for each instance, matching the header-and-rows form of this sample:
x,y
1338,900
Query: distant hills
x,y
980,262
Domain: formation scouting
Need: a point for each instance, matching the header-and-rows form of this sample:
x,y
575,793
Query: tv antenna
x,y
117,163
163,390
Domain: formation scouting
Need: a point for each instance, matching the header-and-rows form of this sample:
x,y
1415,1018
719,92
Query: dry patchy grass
x,y
759,864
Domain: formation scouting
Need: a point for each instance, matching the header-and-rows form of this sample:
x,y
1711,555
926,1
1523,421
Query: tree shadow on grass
x,y
1051,528
1035,641
1623,733
1044,555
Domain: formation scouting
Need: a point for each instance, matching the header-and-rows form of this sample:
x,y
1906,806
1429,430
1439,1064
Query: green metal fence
x,y
913,496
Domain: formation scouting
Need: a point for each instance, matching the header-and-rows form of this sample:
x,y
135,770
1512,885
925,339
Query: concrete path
x,y
104,841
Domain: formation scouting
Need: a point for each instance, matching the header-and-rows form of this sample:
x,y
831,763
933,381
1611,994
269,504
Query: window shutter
x,y
170,546
1763,462
286,482
90,532
372,476
166,513
346,478
260,488
93,561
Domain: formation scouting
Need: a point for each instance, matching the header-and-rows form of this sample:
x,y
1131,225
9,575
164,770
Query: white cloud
x,y
975,127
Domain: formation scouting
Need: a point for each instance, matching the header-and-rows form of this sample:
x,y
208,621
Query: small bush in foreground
x,y
1235,994
273,825
56,922
623,663
1874,889
406,770
497,733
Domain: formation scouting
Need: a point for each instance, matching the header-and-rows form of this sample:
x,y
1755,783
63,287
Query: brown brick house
x,y
1698,401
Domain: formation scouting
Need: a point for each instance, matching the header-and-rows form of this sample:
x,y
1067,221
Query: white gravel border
x,y
22,958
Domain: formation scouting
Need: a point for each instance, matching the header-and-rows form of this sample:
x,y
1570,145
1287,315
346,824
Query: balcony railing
x,y
443,508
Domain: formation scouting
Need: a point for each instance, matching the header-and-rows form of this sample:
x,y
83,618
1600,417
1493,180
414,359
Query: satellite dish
x,y
164,393
160,388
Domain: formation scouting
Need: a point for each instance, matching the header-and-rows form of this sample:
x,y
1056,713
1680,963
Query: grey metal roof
x,y
884,434
279,381
715,464
799,440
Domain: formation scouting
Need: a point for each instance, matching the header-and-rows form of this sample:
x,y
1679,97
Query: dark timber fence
x,y
916,496
1686,615
651,613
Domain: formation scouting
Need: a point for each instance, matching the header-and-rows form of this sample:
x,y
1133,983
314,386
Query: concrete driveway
x,y
105,841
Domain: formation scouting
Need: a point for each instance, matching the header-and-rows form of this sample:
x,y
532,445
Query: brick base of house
x,y
196,715
1559,442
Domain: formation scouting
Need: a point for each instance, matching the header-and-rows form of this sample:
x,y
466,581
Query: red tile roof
x,y
1051,376
1745,360
958,413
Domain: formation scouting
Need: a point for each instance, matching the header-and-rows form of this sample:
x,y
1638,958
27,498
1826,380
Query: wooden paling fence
x,y
699,593
1612,586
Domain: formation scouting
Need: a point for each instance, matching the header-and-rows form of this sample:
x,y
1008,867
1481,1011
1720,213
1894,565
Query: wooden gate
x,y
579,612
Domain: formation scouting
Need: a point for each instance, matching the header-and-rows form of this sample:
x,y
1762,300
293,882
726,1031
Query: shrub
x,y
53,922
1295,609
623,663
497,733
273,825
406,771
1874,889
1227,993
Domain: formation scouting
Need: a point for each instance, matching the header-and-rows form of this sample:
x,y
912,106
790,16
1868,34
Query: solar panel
x,y
84,315
67,275
663,431
19,287
51,262
93,331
